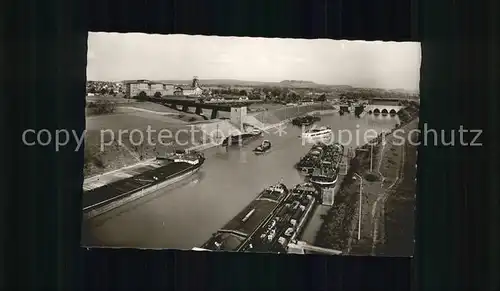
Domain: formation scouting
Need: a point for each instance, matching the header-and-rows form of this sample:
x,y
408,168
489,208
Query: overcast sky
x,y
128,56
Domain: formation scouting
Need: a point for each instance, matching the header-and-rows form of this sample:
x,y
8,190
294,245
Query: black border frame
x,y
44,76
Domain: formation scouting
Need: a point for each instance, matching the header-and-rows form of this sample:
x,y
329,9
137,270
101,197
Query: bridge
x,y
384,109
185,103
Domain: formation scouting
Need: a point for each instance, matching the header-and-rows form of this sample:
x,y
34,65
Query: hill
x,y
298,83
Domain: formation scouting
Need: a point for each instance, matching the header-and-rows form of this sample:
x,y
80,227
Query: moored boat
x,y
170,168
325,175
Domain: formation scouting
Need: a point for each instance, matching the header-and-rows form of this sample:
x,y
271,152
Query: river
x,y
186,214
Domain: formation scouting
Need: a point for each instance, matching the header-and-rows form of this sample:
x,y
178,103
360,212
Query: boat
x,y
236,233
325,175
263,148
318,133
312,159
287,222
241,138
305,120
169,169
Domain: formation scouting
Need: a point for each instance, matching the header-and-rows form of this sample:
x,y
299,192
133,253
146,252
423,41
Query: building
x,y
188,91
134,88
193,90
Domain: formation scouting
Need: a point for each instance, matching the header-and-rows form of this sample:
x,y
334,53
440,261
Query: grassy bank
x,y
399,211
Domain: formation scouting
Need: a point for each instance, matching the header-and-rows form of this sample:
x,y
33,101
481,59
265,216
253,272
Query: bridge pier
x,y
173,106
198,110
185,108
214,113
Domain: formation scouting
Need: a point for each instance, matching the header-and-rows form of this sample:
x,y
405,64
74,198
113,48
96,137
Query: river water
x,y
187,213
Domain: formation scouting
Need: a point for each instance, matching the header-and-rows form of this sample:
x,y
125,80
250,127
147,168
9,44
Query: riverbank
x,y
340,226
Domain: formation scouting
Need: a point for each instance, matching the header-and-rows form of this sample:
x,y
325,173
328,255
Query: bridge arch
x,y
370,111
393,111
376,111
385,112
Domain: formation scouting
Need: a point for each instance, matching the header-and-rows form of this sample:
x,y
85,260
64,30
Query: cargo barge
x,y
287,223
234,235
172,168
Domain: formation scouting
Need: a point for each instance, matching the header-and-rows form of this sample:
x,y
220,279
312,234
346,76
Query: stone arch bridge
x,y
382,109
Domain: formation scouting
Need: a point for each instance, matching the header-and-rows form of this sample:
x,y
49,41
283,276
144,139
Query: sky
x,y
129,56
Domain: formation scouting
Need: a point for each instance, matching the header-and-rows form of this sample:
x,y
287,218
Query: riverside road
x,y
187,213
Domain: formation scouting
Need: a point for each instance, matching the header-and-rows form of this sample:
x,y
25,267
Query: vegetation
x,y
142,96
92,158
410,112
372,177
157,94
101,107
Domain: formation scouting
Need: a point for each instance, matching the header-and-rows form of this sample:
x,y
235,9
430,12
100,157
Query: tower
x,y
195,83
238,115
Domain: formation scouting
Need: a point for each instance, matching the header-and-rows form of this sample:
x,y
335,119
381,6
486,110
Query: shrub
x,y
102,107
371,177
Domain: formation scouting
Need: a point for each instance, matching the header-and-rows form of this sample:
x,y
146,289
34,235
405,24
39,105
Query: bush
x,y
371,177
142,96
102,107
91,158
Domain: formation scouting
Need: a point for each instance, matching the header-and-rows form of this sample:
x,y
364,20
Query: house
x,y
184,90
193,90
134,88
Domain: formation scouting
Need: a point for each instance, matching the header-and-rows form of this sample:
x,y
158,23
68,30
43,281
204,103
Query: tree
x,y
322,98
157,94
243,93
142,96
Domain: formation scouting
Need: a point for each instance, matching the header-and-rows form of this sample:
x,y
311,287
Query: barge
x,y
287,223
172,168
305,120
307,163
234,235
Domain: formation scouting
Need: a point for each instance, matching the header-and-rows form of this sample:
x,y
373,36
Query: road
x,y
188,213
